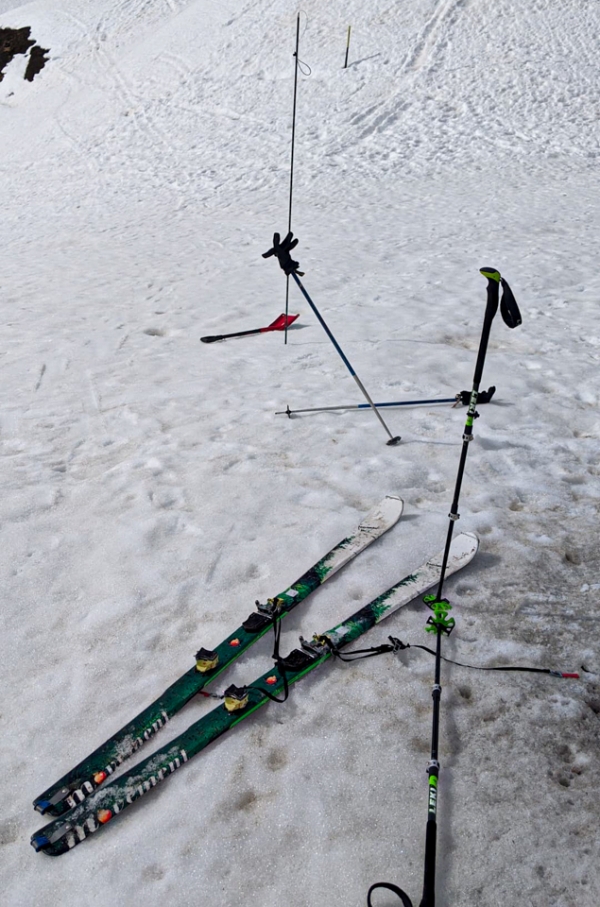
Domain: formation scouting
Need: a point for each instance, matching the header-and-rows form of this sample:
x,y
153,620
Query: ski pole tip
x,y
394,441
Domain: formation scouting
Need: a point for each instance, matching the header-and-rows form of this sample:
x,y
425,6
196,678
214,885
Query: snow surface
x,y
150,493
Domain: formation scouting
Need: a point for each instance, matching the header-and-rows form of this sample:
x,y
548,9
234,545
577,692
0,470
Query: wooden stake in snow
x,y
347,48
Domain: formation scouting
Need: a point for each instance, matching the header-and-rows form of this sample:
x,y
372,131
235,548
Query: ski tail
x,y
67,831
86,777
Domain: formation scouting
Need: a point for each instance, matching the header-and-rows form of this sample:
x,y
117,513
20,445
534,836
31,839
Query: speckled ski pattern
x,y
67,831
91,772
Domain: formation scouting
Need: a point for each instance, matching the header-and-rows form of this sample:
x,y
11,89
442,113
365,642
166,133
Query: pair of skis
x,y
80,800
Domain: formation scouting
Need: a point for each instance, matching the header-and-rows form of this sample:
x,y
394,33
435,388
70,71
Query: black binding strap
x,y
355,654
279,663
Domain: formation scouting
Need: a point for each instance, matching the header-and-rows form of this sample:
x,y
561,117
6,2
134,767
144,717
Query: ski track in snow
x,y
444,16
149,493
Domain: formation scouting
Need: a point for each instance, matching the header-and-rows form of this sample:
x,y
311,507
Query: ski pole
x,y
439,623
461,397
281,250
328,409
281,322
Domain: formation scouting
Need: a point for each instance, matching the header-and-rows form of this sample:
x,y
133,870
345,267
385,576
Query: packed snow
x,y
151,492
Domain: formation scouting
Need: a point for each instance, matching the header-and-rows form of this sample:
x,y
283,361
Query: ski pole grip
x,y
493,287
493,293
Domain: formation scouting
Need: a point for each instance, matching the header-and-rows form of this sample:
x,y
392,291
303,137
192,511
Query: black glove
x,y
281,250
482,396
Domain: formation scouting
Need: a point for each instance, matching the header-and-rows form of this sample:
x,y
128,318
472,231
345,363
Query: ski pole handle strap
x,y
406,901
508,306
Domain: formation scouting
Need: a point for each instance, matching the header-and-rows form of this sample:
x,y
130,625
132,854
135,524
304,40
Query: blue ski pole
x,y
281,250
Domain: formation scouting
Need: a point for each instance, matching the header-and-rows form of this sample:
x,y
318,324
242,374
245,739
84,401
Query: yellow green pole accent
x,y
491,274
433,783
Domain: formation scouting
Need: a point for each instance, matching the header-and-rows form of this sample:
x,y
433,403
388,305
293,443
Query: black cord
x,y
461,664
396,645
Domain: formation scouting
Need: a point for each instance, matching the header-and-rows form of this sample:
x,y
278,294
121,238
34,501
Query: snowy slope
x,y
150,494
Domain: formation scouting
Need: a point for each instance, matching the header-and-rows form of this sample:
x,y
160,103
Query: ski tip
x,y
386,513
463,549
392,508
465,545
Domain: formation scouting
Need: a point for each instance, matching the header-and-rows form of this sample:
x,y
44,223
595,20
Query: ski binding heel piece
x,y
236,698
206,660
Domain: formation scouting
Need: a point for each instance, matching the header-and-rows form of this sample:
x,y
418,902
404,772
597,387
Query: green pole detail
x,y
440,619
490,274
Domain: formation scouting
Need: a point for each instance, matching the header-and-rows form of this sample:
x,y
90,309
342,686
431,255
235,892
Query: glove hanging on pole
x,y
464,397
281,251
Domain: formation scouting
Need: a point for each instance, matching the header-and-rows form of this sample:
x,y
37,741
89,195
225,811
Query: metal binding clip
x,y
270,608
317,647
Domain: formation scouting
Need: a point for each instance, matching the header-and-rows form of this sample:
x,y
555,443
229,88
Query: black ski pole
x,y
439,623
296,63
281,250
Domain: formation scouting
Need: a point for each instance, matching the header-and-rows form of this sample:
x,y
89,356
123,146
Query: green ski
x,y
67,831
89,774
